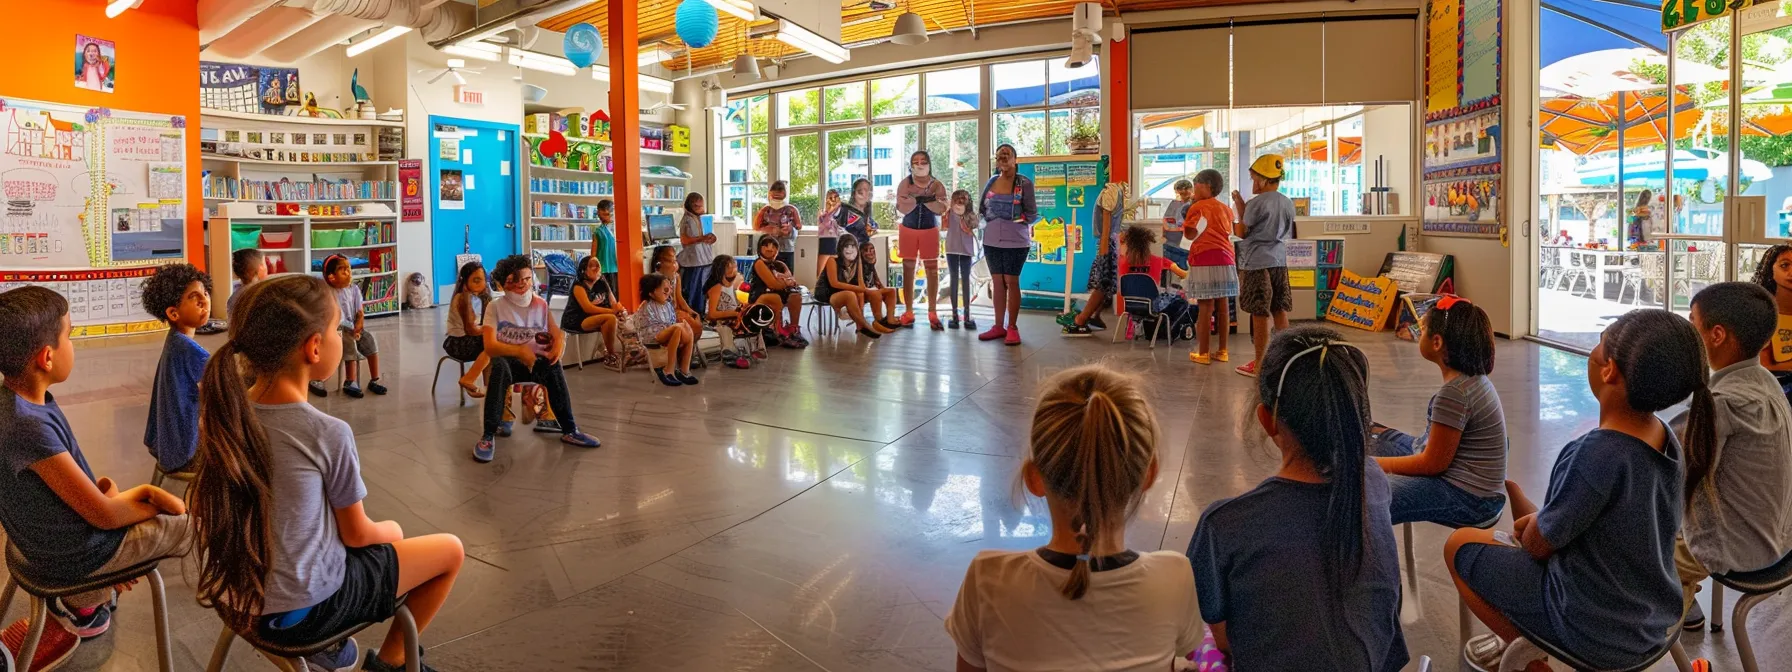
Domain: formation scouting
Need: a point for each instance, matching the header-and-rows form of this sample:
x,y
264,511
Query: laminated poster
x,y
451,195
1360,302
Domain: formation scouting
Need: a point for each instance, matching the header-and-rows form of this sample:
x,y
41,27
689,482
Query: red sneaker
x,y
53,649
1012,337
993,334
1248,370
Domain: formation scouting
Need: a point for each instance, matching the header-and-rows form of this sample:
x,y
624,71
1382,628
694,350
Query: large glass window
x,y
745,156
896,96
799,108
845,102
846,159
802,167
890,148
951,91
953,147
1054,105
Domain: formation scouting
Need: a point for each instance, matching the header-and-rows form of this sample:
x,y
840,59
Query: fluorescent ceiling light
x,y
483,51
797,36
653,56
600,72
489,31
654,84
378,39
542,62
740,9
117,7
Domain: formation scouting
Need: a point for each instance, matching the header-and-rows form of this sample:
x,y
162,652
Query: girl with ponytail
x,y
1082,601
1300,572
286,550
1592,571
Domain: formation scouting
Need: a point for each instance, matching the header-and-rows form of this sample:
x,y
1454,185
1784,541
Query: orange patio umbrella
x,y
1350,147
1592,125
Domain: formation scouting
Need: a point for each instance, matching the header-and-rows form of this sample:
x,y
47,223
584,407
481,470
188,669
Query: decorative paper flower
x,y
177,121
98,113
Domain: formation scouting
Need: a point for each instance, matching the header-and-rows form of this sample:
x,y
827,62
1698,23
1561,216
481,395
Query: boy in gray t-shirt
x,y
1266,224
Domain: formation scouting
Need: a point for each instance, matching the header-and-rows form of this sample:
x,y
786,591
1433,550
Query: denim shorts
x,y
1430,499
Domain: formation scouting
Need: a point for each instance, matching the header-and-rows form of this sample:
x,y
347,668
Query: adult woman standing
x,y
920,200
1640,216
1008,208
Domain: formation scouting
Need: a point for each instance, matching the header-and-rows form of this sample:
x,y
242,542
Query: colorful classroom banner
x,y
410,184
1677,14
1360,302
1462,182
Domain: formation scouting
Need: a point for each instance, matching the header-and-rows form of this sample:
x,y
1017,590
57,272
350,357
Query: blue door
x,y
472,196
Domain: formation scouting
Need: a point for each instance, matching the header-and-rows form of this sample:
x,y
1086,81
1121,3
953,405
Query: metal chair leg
x,y
1744,649
1717,607
39,613
413,652
6,595
1412,565
156,478
221,650
1681,661
159,598
1465,622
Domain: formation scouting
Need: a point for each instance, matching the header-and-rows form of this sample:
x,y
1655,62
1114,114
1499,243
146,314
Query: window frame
x,y
747,136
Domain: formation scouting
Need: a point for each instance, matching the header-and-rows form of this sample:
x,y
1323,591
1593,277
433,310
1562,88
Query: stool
x,y
817,319
1464,619
1755,587
157,478
574,344
1510,660
292,658
41,594
438,378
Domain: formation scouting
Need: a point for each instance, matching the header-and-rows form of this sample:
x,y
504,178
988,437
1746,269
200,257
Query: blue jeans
x,y
1429,499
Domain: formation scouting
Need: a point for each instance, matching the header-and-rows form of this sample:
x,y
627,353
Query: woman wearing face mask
x,y
780,220
854,216
1009,209
920,200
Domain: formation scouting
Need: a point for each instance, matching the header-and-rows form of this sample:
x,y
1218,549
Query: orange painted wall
x,y
158,68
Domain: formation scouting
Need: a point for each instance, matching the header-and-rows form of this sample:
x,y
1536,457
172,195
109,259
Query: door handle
x,y
510,225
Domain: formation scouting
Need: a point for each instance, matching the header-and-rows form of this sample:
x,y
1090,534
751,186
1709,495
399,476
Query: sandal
x,y
473,390
934,321
1483,652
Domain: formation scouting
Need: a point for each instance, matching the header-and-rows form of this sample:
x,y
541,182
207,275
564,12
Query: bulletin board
x,y
1460,168
95,198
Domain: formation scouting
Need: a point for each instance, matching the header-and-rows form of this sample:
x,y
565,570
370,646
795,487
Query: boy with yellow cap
x,y
1265,223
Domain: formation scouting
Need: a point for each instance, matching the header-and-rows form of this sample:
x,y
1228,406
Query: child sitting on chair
x,y
525,346
354,330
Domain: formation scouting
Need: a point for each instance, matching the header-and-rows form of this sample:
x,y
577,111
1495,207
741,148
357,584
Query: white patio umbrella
x,y
1598,73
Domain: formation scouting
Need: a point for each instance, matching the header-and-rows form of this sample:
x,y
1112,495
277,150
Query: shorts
x,y
1264,291
789,259
782,294
922,244
1210,282
369,594
827,247
464,348
163,536
1104,273
365,346
1004,260
1511,581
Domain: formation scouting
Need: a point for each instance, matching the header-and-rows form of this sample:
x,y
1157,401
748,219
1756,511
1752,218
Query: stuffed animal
x,y
416,292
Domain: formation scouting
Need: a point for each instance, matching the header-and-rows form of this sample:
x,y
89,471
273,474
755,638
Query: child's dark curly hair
x,y
1139,242
165,289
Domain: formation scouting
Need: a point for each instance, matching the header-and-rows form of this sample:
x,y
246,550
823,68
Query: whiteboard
x,y
94,199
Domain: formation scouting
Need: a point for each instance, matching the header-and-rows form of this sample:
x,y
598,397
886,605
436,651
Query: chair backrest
x,y
1138,291
560,276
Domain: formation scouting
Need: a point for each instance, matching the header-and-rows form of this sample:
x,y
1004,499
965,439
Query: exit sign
x,y
467,96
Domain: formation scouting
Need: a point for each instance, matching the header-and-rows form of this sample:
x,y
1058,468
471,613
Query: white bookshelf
x,y
378,278
559,220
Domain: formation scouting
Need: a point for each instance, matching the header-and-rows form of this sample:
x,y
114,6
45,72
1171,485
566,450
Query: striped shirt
x,y
1471,405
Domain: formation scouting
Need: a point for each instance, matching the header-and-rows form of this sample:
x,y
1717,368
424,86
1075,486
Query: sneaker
x,y
1248,370
908,320
667,379
933,322
580,439
772,339
1096,323
952,323
1012,337
339,658
1066,319
970,323
1483,651
738,362
353,390
610,361
375,664
548,426
86,626
318,389
685,378
375,387
1200,358
867,333
758,354
482,451
1222,356
53,648
505,427
1695,618
1074,331
993,334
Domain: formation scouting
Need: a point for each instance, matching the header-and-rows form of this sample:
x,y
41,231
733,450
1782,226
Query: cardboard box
x,y
679,139
537,123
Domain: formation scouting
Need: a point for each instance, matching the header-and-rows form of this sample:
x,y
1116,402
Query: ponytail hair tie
x,y
1083,558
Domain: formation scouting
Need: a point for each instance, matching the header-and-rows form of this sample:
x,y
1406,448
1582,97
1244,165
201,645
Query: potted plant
x,y
1085,137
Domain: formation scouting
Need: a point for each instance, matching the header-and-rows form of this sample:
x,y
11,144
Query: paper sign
x,y
469,181
410,182
1361,302
1301,278
450,149
1303,254
502,135
466,156
504,168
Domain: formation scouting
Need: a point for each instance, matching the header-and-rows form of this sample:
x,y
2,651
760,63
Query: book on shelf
x,y
543,185
559,232
319,189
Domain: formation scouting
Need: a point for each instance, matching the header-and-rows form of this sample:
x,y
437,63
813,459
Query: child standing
x,y
1300,572
725,313
591,309
603,240
961,251
1739,505
464,341
1175,220
249,267
1212,278
525,347
180,295
1592,571
854,216
828,229
1454,474
1263,256
285,547
1104,270
694,257
1774,273
659,322
1083,601
354,330
781,221
773,285
67,524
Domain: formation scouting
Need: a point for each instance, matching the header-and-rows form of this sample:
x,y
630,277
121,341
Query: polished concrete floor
x,y
816,512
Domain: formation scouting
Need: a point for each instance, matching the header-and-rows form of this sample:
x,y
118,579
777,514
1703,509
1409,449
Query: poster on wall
x,y
96,63
234,87
452,195
410,184
1460,168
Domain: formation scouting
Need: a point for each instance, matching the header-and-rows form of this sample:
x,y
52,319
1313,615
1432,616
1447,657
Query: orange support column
x,y
1119,83
625,150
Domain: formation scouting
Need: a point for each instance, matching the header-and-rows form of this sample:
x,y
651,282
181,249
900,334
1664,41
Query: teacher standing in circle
x,y
1009,210
920,200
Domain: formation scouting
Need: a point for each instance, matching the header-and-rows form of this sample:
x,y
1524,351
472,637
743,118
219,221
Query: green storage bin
x,y
321,238
352,238
244,236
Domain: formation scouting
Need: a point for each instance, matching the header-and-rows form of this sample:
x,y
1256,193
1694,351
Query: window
x,y
953,147
880,153
802,167
846,159
895,96
891,147
1054,106
745,156
799,108
951,91
845,102
881,181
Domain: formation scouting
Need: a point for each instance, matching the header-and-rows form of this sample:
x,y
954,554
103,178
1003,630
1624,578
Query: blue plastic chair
x,y
1138,297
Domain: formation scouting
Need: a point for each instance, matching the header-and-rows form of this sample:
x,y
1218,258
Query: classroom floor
x,y
816,512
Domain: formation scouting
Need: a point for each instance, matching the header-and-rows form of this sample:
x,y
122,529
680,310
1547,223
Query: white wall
x,y
1387,133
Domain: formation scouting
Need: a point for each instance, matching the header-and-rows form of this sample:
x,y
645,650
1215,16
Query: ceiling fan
x,y
663,105
455,67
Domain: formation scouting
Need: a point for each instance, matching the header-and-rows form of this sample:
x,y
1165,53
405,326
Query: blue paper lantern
x,y
697,23
582,44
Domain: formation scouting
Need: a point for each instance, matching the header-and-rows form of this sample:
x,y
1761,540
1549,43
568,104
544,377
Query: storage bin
x,y
352,238
322,238
244,236
278,240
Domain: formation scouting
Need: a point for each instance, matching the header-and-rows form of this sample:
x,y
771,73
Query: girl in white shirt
x,y
1082,601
